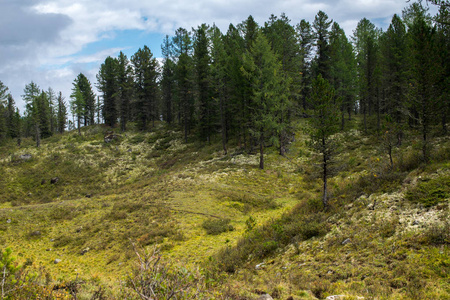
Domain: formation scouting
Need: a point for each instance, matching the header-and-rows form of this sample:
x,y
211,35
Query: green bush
x,y
431,192
217,226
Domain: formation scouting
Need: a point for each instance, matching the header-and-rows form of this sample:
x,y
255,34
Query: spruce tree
x,y
183,72
31,93
77,104
269,89
220,81
146,88
61,113
323,124
206,105
321,27
125,86
107,84
305,39
167,82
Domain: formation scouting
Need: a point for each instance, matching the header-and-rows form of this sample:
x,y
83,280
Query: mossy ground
x,y
151,188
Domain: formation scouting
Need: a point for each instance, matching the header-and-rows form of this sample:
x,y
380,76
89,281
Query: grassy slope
x,y
151,188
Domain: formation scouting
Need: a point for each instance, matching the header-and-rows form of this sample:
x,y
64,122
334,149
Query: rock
x,y
25,157
346,241
54,180
336,297
265,297
57,261
35,233
260,266
111,137
84,251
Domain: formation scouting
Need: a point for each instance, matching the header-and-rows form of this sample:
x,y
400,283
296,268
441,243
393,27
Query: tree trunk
x,y
261,152
38,135
325,175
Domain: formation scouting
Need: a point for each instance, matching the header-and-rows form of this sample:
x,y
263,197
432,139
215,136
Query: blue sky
x,y
51,41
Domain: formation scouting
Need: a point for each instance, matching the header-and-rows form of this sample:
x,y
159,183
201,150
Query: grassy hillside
x,y
246,231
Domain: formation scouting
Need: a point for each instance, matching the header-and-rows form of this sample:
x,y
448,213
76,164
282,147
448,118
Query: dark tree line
x,y
246,85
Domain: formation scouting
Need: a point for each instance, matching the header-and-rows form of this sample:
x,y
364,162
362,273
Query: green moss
x,y
430,192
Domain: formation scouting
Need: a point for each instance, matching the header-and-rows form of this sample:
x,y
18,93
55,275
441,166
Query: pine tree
x,y
88,110
282,37
395,72
31,93
146,90
365,42
268,90
43,109
61,114
342,70
167,81
77,104
426,69
236,120
305,39
206,105
11,121
107,84
125,87
3,112
182,51
324,123
321,27
219,82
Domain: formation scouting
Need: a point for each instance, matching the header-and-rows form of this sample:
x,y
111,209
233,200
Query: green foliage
x,y
430,192
217,226
156,278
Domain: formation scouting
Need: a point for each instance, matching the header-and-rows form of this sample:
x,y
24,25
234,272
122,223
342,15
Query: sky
x,y
51,41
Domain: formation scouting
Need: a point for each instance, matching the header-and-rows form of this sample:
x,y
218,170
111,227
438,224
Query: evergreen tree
x,y
426,69
395,72
305,39
61,114
88,111
269,90
3,112
206,105
167,81
182,50
443,50
51,96
125,87
365,42
220,81
324,123
342,70
145,74
107,84
44,114
11,118
31,93
236,120
321,27
282,37
77,104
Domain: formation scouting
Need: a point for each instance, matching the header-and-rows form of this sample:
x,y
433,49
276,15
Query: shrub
x,y
430,193
217,226
154,278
